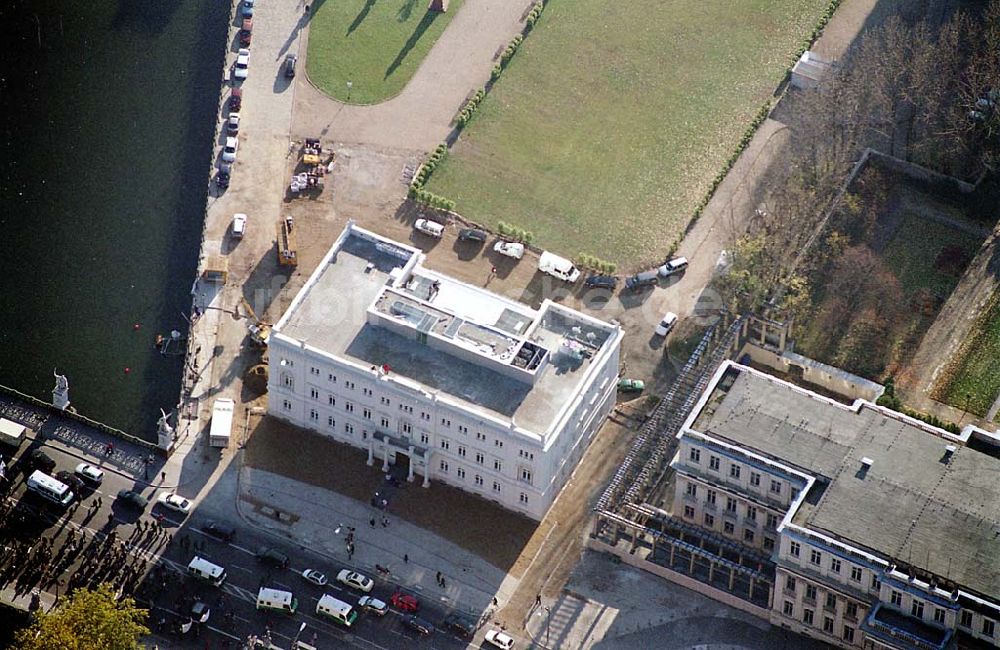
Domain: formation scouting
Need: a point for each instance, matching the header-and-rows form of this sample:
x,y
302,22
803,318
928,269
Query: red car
x,y
404,602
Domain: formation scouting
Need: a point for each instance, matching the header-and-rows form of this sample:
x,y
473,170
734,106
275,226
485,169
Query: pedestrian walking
x,y
372,522
443,586
385,522
438,577
495,603
163,476
406,558
538,600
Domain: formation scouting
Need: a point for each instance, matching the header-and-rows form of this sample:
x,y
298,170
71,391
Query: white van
x,y
239,225
45,486
429,228
558,267
277,600
205,570
336,610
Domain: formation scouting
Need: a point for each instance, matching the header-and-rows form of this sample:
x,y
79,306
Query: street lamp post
x,y
295,641
349,85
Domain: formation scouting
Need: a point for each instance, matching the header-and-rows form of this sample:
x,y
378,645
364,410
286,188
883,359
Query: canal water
x,y
108,110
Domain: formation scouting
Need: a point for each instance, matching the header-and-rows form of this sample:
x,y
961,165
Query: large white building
x,y
882,531
441,379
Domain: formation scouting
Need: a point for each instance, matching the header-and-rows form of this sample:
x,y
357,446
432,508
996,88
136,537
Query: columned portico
x,y
391,446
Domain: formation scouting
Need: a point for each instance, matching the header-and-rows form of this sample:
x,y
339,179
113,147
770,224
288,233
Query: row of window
x,y
809,618
835,565
732,506
749,535
735,470
830,600
445,467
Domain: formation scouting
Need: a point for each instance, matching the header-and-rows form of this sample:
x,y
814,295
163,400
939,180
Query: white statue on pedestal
x,y
60,394
164,432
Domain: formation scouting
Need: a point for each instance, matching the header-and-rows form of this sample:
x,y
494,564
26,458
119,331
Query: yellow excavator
x,y
259,330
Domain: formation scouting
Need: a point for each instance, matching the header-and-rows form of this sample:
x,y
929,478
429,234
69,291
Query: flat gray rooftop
x,y
913,504
333,318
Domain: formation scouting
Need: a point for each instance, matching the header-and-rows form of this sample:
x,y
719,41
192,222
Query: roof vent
x,y
949,451
866,464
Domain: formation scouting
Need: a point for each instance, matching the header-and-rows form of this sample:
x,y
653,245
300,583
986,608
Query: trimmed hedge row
x,y
889,399
470,108
586,261
758,119
533,16
510,231
417,191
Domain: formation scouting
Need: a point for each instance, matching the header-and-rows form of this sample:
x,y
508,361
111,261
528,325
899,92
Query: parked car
x,y
272,557
290,61
601,282
510,249
460,624
626,385
673,266
38,459
640,280
239,225
355,580
70,479
246,32
499,639
429,228
472,234
233,123
247,8
373,605
315,577
89,473
404,602
219,530
418,625
200,612
236,99
242,68
667,324
175,502
133,499
229,151
222,179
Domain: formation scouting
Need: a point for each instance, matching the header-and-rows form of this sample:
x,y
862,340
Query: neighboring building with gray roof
x,y
438,377
885,531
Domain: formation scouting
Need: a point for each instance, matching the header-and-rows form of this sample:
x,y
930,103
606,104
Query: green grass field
x,y
377,46
613,117
915,246
973,377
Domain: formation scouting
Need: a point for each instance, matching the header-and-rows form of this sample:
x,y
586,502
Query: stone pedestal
x,y
164,432
60,394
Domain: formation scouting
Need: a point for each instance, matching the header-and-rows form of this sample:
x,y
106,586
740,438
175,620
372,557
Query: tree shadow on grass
x,y
360,18
405,11
411,42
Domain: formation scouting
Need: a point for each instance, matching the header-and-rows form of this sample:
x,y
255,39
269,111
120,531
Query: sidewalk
x,y
321,519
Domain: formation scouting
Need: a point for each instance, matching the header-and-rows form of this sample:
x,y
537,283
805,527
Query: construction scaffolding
x,y
627,525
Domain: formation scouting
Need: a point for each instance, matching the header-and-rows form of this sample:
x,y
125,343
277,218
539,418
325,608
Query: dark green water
x,y
108,111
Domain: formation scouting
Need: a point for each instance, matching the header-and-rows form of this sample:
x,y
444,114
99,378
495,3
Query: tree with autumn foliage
x,y
87,620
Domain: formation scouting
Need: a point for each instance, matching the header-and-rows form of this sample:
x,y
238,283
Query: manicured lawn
x,y
376,45
974,374
613,117
914,248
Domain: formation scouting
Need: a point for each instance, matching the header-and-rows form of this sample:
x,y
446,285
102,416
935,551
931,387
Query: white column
x,y
371,451
385,455
409,476
427,469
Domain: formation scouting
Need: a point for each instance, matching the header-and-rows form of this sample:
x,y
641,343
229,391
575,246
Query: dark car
x,y
236,99
472,234
290,62
133,499
222,180
460,624
246,32
418,625
219,530
602,281
72,480
640,280
272,557
38,459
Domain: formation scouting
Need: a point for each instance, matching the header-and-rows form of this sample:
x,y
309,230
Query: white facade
x,y
410,396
